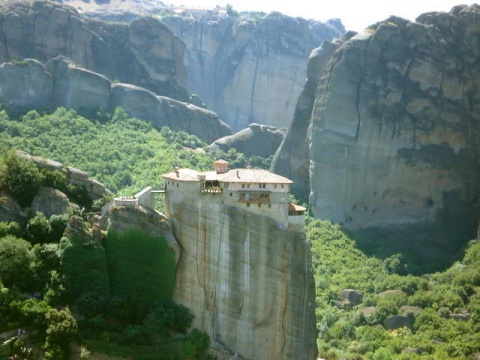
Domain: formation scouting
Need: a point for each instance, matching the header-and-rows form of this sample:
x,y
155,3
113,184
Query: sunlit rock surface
x,y
247,280
386,132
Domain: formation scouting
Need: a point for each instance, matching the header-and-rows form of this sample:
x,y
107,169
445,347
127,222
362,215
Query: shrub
x,y
169,315
55,179
84,269
58,224
15,258
9,228
39,229
46,258
20,176
148,281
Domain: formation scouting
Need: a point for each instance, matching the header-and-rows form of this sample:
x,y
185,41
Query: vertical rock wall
x,y
251,68
392,129
248,281
145,53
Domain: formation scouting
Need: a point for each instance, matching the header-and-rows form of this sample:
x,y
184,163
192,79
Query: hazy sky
x,y
355,15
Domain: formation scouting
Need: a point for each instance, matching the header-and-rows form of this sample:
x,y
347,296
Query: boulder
x,y
77,230
51,202
399,321
257,139
354,297
367,311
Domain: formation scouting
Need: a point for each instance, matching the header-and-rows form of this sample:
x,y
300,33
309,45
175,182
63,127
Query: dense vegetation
x,y
441,310
77,289
124,154
65,289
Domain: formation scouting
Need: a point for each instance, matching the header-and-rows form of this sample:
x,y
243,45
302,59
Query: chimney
x,y
177,171
221,166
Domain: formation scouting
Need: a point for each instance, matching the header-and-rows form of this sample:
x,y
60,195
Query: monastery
x,y
255,190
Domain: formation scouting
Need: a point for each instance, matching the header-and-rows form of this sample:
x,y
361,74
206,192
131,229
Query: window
x,y
248,186
275,186
259,205
243,186
282,186
264,185
269,205
259,186
248,204
231,194
177,184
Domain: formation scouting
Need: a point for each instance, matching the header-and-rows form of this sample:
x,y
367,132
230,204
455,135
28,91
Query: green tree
x,y
15,258
61,328
39,229
20,176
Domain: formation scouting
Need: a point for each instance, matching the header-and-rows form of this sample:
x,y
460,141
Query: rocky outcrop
x,y
9,209
73,176
145,52
28,84
250,68
387,129
399,321
51,202
247,280
259,140
353,296
150,222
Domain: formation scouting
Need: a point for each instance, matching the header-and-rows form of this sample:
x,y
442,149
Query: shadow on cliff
x,y
424,248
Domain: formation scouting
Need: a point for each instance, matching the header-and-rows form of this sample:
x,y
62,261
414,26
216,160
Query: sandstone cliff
x,y
386,131
250,68
28,84
247,280
144,53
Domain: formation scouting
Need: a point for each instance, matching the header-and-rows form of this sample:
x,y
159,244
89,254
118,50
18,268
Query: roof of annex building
x,y
231,176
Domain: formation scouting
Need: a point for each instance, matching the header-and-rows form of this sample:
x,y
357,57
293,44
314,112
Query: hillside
x,y
123,153
366,310
69,288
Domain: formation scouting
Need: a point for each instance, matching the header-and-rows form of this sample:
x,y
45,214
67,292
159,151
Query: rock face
x,y
248,281
151,222
387,128
28,84
145,52
51,202
260,140
250,68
